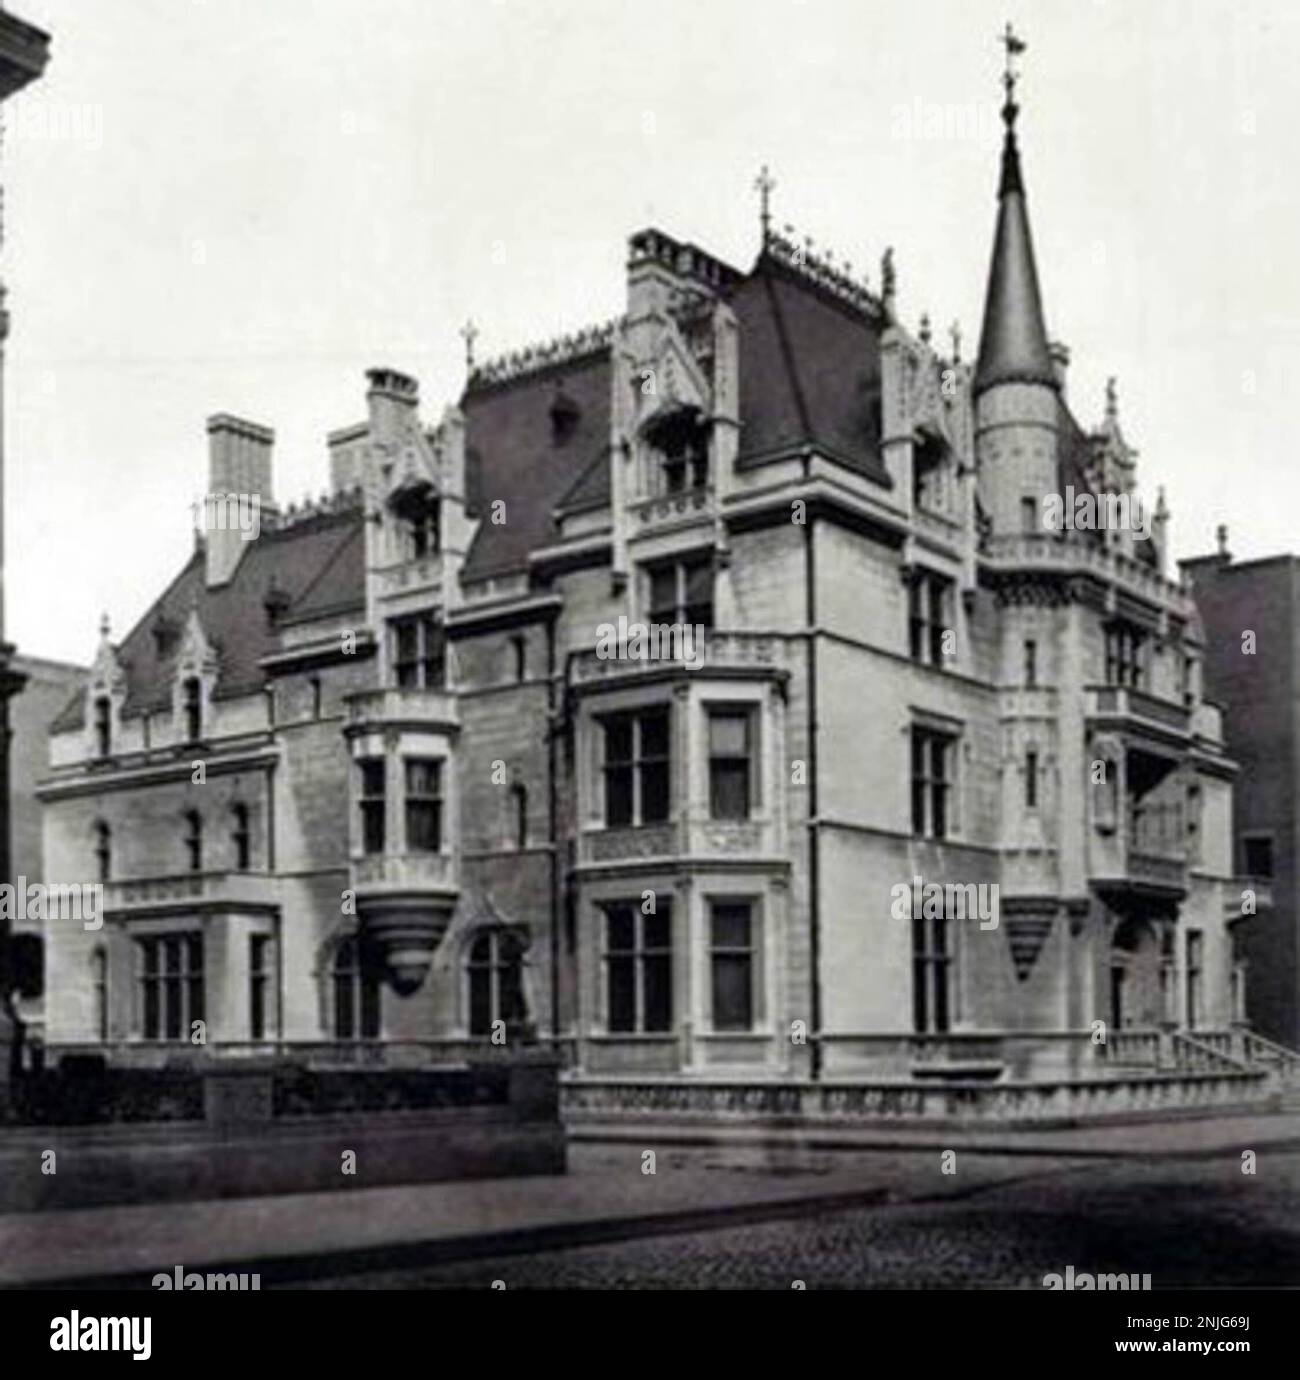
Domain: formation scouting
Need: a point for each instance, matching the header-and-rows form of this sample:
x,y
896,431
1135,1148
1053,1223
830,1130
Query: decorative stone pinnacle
x,y
925,328
469,334
1112,400
764,185
104,626
1014,46
954,332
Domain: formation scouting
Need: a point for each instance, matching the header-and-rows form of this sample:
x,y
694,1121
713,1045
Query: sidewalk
x,y
605,1197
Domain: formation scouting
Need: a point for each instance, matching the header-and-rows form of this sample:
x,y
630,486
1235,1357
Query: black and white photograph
x,y
647,649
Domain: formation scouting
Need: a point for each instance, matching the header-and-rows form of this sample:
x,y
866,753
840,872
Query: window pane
x,y
699,582
731,927
620,929
480,999
732,992
654,792
729,789
729,735
618,795
654,733
622,993
657,930
663,593
657,994
369,1008
618,740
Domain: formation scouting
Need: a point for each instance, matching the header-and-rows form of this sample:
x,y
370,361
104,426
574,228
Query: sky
x,y
242,205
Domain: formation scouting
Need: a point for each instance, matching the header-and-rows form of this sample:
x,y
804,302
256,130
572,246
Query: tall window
x,y
932,767
928,602
171,985
1194,975
1031,662
931,975
495,969
194,840
103,725
99,975
419,653
1125,656
259,978
424,804
240,837
519,805
1031,780
929,475
638,968
417,512
104,850
731,763
356,992
1029,515
681,591
732,966
192,702
681,442
519,648
372,803
636,767
1257,851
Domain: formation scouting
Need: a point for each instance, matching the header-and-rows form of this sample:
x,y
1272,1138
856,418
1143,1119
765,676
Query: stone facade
x,y
375,789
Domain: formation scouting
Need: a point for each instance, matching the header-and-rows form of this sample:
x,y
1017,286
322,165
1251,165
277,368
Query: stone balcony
x,y
405,903
687,837
1123,707
724,654
1026,551
424,573
394,708
381,873
668,510
189,891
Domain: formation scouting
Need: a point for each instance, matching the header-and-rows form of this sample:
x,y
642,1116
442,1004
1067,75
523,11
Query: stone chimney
x,y
394,403
239,493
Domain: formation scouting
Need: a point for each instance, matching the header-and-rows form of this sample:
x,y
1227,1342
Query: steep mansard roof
x,y
318,563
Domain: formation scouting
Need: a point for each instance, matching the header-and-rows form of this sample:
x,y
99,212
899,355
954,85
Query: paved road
x,y
1185,1222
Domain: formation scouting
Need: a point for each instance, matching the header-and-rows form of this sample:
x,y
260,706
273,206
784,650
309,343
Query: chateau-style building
x,y
366,786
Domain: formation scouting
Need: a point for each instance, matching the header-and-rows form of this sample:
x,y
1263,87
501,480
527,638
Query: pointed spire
x,y
1013,342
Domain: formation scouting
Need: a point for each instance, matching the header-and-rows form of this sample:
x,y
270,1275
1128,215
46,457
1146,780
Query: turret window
x,y
240,837
104,850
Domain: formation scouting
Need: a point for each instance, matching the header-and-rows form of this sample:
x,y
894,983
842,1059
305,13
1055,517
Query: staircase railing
x,y
1259,1049
1193,1056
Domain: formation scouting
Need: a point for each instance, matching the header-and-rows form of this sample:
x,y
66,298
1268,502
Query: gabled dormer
x,y
193,681
105,698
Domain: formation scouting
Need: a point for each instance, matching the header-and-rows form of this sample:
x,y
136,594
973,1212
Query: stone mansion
x,y
364,787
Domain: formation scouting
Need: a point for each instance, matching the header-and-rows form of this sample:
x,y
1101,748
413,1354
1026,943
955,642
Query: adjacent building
x,y
399,776
1251,611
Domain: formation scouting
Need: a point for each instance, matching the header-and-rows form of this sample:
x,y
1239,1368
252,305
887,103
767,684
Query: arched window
x,y
194,840
495,971
103,725
356,991
240,837
104,850
192,698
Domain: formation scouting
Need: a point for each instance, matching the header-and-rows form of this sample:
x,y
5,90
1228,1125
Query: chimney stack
x,y
239,491
394,403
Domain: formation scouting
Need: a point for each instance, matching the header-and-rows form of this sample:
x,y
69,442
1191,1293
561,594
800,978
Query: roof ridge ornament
x,y
765,185
1014,45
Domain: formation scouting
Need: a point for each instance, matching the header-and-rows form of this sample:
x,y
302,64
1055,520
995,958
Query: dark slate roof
x,y
318,563
1013,339
809,369
512,454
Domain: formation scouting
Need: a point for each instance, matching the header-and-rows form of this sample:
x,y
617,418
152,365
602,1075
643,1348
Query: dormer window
x,y
564,418
680,445
930,474
103,725
418,513
192,708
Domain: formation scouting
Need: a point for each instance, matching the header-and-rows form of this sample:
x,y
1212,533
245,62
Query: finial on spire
x,y
1014,45
888,280
955,332
764,185
104,627
925,328
1112,400
469,334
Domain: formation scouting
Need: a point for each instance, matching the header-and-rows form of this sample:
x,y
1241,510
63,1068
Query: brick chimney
x,y
239,493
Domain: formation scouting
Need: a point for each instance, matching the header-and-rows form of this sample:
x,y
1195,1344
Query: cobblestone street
x,y
1186,1223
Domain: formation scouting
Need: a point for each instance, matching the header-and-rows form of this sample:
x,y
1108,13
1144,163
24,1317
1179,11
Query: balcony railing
x,y
393,707
1125,703
212,889
673,507
417,574
1046,550
726,652
405,872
